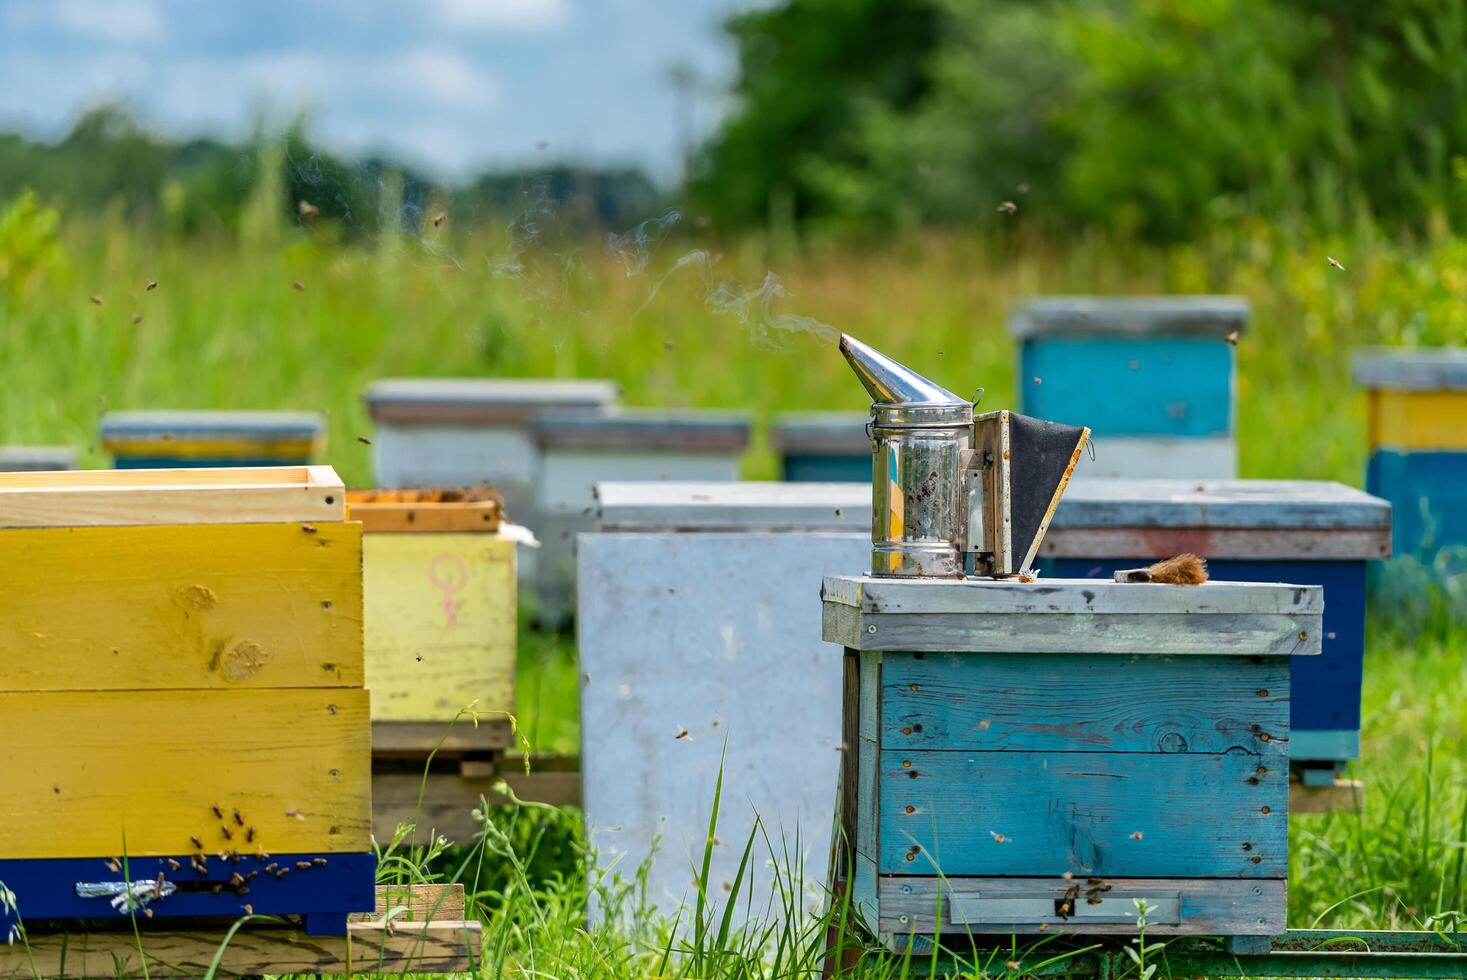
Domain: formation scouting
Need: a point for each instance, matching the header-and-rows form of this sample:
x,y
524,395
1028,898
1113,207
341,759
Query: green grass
x,y
225,328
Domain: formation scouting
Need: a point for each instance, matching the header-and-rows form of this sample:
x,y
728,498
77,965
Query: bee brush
x,y
1181,570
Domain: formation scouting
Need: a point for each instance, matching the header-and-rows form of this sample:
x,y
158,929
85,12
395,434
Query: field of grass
x,y
228,327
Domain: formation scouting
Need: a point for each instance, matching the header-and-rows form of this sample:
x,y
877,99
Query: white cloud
x,y
503,15
117,21
442,75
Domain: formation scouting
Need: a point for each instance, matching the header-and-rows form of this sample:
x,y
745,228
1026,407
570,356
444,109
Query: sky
x,y
452,86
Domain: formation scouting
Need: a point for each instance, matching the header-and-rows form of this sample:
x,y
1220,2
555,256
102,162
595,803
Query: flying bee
x,y
238,820
148,913
1232,338
114,866
96,301
1332,261
1008,207
152,285
439,218
297,286
307,209
249,909
364,440
218,813
137,318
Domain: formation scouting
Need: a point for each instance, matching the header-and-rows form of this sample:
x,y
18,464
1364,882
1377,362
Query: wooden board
x,y
1127,814
1129,316
417,903
1341,796
15,459
1208,906
449,799
1002,701
1220,505
440,625
481,516
181,606
1153,543
1166,634
408,948
220,495
1411,368
150,765
1146,457
482,401
198,449
1418,421
416,739
742,505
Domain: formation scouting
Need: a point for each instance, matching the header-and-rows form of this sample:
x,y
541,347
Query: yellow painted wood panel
x,y
440,624
235,495
1418,420
202,606
160,448
80,769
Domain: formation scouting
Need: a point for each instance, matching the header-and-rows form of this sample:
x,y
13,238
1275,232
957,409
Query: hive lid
x,y
661,430
821,434
1418,369
1129,316
122,427
206,495
483,401
1054,616
664,505
1321,504
16,459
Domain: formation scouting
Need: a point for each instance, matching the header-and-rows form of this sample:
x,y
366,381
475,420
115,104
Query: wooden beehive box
x,y
1305,531
1033,757
822,447
181,694
439,583
156,440
697,613
18,459
1418,446
579,451
1153,377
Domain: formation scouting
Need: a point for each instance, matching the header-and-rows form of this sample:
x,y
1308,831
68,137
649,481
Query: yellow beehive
x,y
439,580
176,641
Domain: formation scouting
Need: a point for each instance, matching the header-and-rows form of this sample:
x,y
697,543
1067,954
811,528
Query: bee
x,y
1332,261
439,218
1068,875
1038,380
249,835
137,318
218,813
270,868
1135,835
234,856
159,882
309,528
295,814
997,837
1232,338
307,209
252,876
114,866
243,890
148,913
297,286
249,909
238,820
198,844
262,854
228,834
683,733
96,301
1008,207
319,862
364,440
236,879
223,855
282,872
173,865
218,887
152,285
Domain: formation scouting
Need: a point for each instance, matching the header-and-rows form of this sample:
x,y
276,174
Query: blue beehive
x,y
822,447
1313,533
1035,757
1418,449
1152,377
164,440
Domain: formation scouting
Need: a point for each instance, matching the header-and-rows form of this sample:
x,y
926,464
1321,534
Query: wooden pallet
x,y
417,929
451,790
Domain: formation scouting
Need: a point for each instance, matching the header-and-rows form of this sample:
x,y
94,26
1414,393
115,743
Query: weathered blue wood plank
x,y
798,468
1210,504
1092,813
1095,703
1428,492
1130,387
46,888
1326,689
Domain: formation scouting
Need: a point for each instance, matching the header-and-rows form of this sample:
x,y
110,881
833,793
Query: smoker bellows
x,y
955,494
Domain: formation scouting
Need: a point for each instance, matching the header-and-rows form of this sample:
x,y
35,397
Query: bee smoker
x,y
954,493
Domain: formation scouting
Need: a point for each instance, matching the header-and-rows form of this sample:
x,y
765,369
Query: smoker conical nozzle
x,y
896,386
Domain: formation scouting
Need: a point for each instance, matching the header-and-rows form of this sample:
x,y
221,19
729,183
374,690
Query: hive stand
x,y
415,929
160,440
1152,376
1303,531
1031,758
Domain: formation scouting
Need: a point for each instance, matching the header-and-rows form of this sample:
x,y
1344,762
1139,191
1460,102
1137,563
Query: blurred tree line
x,y
1150,117
108,160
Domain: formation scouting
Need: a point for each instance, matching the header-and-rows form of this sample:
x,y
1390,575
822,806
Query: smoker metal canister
x,y
919,433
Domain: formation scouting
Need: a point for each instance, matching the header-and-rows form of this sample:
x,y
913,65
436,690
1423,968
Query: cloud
x,y
503,15
442,75
116,21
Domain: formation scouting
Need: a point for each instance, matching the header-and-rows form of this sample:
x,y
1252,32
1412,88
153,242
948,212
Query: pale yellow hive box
x,y
439,581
